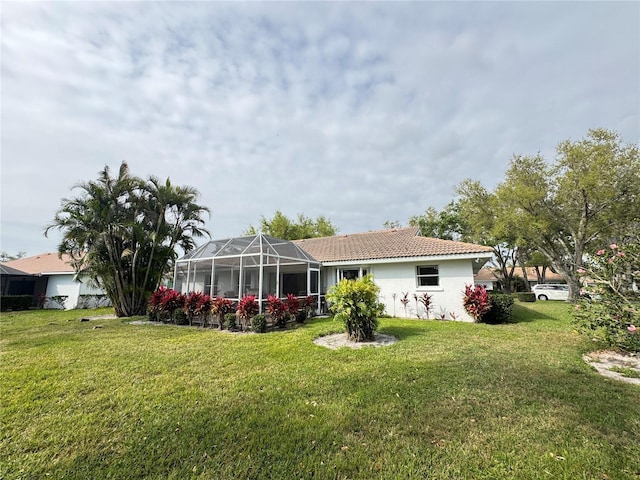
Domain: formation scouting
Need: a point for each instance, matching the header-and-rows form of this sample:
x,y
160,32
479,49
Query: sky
x,y
364,112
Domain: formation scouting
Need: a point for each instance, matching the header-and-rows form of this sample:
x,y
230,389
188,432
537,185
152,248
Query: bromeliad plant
x,y
355,303
609,307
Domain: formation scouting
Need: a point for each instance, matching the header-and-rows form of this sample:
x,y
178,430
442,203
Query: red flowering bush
x,y
197,304
476,301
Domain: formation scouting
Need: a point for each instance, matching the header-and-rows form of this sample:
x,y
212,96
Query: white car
x,y
551,291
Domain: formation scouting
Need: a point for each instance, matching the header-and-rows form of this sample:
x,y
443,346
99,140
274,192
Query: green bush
x,y
181,318
230,321
301,316
15,302
355,302
526,296
500,311
259,323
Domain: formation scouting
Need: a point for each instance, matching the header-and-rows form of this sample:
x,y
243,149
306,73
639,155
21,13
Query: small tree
x,y
355,302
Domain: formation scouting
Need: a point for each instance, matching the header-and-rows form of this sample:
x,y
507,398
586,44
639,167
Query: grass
x,y
450,400
625,371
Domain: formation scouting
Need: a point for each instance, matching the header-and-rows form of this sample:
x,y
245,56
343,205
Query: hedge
x,y
15,302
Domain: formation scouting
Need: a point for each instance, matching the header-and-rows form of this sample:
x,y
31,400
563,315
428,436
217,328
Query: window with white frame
x,y
427,276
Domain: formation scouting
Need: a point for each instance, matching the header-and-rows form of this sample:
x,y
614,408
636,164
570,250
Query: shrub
x,y
259,324
220,307
230,321
500,311
526,296
180,318
16,302
310,304
171,302
276,309
292,304
355,302
301,316
247,308
476,301
608,308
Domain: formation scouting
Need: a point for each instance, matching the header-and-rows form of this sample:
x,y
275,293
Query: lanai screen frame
x,y
242,253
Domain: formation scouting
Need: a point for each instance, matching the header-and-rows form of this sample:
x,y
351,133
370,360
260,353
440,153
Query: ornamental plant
x,y
426,301
190,307
247,308
154,305
276,309
170,302
292,304
355,303
476,301
608,308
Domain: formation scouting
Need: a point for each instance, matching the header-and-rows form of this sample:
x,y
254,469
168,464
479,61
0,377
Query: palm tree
x,y
122,232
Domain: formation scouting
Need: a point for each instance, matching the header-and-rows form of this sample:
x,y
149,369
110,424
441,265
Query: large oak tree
x,y
123,231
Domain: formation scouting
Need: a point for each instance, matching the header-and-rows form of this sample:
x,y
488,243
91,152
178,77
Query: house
x,y
491,278
401,261
53,277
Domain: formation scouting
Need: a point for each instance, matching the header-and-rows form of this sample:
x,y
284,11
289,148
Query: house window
x,y
427,275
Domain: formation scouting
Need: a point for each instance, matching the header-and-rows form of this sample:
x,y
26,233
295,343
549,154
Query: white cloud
x,y
363,112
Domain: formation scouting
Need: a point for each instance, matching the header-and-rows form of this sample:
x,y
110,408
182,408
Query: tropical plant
x,y
426,301
404,300
355,303
170,302
476,301
276,309
229,321
292,305
247,308
609,308
123,231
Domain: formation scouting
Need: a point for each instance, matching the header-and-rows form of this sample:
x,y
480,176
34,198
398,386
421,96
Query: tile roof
x,y
486,275
43,263
384,244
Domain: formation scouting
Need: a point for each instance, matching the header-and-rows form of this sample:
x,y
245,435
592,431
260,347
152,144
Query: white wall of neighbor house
x,y
399,278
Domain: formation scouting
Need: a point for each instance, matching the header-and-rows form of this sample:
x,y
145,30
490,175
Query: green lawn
x,y
448,401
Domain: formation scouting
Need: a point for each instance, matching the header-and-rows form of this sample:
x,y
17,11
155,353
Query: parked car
x,y
551,291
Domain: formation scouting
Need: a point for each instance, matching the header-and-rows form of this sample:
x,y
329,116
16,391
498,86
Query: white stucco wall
x,y
63,284
399,278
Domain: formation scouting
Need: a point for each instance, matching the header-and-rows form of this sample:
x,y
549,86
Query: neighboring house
x,y
400,261
53,277
491,279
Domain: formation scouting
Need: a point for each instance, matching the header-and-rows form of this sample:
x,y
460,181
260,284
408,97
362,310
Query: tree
x,y
6,257
447,224
489,223
123,232
588,197
281,226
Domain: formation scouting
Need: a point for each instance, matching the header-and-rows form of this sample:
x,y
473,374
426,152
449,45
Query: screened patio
x,y
254,265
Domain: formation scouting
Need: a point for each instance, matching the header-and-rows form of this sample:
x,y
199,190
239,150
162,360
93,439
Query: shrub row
x,y
15,302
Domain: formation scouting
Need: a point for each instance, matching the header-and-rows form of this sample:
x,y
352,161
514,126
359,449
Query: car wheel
x,y
543,297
